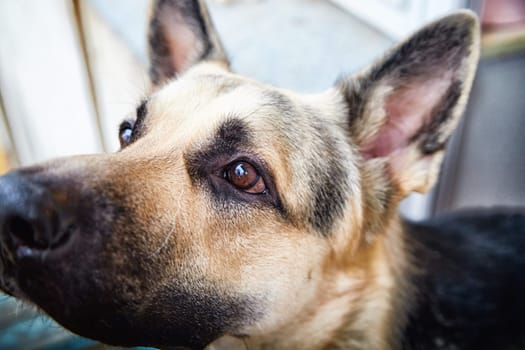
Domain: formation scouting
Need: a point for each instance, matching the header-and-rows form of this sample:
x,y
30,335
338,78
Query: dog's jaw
x,y
351,310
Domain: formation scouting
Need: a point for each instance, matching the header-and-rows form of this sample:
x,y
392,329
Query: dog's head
x,y
233,207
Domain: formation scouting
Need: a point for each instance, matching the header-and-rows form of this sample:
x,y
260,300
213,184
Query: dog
x,y
239,213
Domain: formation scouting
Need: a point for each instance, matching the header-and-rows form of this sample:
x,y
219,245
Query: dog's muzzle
x,y
68,245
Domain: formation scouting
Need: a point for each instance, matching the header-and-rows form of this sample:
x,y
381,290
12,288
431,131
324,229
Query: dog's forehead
x,y
193,107
212,94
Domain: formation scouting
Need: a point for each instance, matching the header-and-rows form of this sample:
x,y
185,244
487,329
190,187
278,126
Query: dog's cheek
x,y
279,264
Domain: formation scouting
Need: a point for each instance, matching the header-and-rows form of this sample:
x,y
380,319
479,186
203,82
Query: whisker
x,y
162,245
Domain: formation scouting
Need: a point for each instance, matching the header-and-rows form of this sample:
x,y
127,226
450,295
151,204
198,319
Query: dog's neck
x,y
368,322
353,307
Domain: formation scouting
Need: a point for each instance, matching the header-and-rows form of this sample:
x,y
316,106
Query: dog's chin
x,y
93,304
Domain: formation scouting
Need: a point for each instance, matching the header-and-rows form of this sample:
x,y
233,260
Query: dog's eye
x,y
125,133
245,177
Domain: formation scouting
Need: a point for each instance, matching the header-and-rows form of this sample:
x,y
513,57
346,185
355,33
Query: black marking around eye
x,y
138,128
232,141
229,138
142,109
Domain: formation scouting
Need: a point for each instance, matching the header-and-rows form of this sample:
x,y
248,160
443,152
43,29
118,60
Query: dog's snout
x,y
30,218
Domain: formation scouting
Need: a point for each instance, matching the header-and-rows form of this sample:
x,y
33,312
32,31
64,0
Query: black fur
x,y
470,283
198,317
138,127
438,47
430,133
329,185
232,136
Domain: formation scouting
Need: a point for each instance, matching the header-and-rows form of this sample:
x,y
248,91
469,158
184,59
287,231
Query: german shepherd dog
x,y
237,213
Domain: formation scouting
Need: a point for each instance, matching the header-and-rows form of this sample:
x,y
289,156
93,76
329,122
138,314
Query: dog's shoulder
x,y
469,281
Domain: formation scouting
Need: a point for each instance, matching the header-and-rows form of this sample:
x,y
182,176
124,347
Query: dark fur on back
x,y
471,282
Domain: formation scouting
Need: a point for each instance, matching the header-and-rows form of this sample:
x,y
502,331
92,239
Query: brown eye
x,y
245,177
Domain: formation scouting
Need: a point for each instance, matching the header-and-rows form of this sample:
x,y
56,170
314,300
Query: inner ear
x,y
184,41
181,34
413,112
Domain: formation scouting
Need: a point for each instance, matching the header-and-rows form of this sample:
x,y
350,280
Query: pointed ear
x,y
403,109
181,34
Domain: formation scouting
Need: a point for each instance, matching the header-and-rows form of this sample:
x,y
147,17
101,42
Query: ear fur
x,y
181,34
403,109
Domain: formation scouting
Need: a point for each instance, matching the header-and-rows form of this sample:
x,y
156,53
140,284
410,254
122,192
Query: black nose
x,y
30,216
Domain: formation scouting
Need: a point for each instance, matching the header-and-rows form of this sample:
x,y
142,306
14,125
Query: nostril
x,y
21,229
25,233
32,216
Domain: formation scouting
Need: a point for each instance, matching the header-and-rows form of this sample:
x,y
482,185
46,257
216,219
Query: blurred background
x,y
71,70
